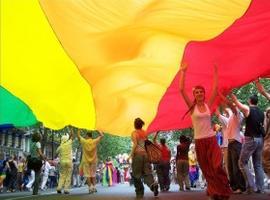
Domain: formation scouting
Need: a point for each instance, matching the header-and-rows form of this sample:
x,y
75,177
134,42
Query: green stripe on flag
x,y
14,111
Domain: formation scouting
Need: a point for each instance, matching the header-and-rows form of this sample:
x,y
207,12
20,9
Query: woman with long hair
x,y
207,150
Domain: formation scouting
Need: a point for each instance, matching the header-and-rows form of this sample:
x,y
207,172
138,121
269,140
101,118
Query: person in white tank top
x,y
208,152
202,123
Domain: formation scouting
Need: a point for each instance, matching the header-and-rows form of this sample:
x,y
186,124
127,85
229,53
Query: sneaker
x,y
66,192
95,190
59,191
91,191
188,188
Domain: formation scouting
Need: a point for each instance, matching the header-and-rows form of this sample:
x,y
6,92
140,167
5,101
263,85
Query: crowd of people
x,y
238,163
231,158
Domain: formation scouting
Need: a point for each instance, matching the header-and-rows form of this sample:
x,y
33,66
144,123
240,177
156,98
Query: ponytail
x,y
190,108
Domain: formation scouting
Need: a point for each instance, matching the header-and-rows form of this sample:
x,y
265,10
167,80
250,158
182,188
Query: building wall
x,y
13,143
18,143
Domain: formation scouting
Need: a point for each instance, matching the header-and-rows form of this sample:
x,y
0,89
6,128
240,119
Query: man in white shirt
x,y
233,133
45,167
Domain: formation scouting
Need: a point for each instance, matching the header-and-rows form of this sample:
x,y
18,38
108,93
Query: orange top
x,y
140,136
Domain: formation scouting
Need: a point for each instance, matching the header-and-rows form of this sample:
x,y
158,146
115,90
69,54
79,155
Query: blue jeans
x,y
252,147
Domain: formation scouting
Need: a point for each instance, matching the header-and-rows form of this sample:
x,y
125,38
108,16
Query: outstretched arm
x,y
79,135
71,134
101,134
215,86
182,84
242,107
262,90
155,137
226,101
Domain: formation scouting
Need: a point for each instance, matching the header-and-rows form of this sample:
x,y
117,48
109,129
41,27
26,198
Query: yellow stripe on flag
x,y
36,69
129,50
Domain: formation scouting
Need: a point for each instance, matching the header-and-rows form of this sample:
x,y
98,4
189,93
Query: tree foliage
x,y
111,145
246,91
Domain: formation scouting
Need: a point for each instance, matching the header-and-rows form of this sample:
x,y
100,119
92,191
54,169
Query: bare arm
x,y
71,134
226,101
134,145
101,134
182,85
262,90
242,107
79,135
215,86
40,153
155,137
217,112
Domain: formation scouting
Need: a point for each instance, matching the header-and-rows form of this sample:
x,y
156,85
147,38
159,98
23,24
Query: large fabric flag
x,y
241,53
127,53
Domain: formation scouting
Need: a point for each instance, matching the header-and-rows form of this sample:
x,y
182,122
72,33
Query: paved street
x,y
122,192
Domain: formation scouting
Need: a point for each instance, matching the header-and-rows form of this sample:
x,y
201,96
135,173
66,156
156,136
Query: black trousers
x,y
237,180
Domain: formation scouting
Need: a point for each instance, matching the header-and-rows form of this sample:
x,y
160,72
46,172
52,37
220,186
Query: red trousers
x,y
209,157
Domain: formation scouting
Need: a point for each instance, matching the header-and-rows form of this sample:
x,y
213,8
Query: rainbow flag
x,y
99,64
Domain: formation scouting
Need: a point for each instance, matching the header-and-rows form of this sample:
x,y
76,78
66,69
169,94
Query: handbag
x,y
153,152
34,163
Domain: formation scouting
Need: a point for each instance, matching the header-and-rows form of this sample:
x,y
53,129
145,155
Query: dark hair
x,y
162,141
36,137
138,123
183,139
89,134
254,99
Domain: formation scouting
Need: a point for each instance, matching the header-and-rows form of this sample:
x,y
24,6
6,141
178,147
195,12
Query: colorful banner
x,y
100,64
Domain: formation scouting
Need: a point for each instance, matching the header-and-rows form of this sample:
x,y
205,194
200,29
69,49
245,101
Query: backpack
x,y
153,152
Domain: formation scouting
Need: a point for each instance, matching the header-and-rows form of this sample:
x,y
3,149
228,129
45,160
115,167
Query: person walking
x,y
65,153
89,158
45,168
35,161
253,143
141,167
234,121
163,166
207,150
12,166
182,163
266,145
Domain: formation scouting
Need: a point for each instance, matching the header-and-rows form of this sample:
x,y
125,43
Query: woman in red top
x,y
163,167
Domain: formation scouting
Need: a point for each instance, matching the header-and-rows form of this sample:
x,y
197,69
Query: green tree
x,y
111,145
247,90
